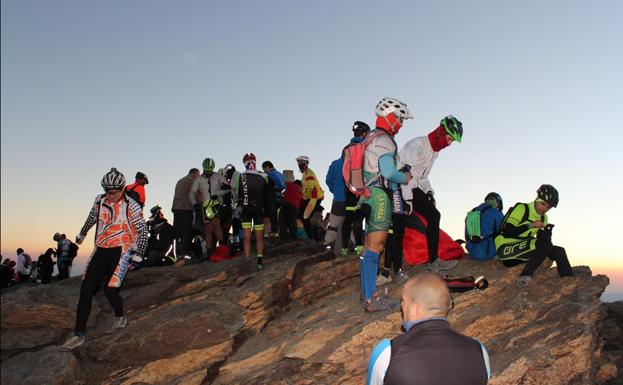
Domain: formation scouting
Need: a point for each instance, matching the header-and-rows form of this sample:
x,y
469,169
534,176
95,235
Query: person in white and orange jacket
x,y
120,235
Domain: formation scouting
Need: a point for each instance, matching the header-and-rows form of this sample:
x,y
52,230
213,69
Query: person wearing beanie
x,y
353,218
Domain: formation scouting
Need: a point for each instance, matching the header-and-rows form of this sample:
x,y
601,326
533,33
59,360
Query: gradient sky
x,y
156,86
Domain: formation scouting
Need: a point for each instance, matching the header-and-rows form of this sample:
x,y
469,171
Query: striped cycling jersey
x,y
119,224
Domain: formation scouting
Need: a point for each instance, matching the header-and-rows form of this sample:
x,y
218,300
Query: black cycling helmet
x,y
141,175
498,199
549,194
229,171
155,212
360,128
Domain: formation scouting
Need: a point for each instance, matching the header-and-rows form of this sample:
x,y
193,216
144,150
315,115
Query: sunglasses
x,y
112,191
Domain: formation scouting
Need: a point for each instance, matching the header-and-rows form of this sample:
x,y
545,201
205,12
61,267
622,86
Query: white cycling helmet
x,y
390,105
303,158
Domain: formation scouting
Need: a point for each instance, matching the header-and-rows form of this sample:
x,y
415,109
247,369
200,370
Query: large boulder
x,y
300,321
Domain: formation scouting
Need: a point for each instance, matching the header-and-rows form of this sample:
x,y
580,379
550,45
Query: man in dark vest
x,y
429,346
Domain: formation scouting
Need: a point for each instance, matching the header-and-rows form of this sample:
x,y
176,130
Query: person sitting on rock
x,y
526,236
482,224
422,354
160,243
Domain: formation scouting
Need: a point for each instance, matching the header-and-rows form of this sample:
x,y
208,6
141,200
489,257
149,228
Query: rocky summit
x,y
300,321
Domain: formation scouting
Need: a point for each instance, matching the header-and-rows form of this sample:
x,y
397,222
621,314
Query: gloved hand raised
x,y
79,239
544,236
431,197
408,207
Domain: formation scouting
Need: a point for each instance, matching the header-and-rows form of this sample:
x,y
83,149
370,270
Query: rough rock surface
x,y
300,322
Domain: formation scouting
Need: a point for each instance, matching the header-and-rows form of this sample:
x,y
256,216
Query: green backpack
x,y
472,224
210,209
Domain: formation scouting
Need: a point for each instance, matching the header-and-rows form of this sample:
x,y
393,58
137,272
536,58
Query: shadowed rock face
x,y
300,321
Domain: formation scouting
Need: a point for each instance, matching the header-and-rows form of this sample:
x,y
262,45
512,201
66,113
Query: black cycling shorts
x,y
252,217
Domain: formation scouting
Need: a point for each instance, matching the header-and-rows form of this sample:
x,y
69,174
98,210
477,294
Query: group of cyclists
x,y
225,208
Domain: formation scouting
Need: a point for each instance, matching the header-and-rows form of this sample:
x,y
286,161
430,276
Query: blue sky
x,y
157,86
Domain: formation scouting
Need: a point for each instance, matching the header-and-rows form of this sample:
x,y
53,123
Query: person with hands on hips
x,y
120,234
419,155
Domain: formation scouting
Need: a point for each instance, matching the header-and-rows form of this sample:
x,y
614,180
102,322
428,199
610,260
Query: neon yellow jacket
x,y
311,187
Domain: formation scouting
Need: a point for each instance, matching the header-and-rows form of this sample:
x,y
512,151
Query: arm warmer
x,y
92,218
387,166
137,221
512,231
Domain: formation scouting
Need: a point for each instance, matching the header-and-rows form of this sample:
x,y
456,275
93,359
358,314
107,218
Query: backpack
x,y
134,195
27,261
352,170
472,224
73,250
523,218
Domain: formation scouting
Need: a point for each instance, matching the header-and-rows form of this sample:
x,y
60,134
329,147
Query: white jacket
x,y
207,188
418,154
21,267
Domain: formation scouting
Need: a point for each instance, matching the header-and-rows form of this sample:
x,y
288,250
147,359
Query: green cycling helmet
x,y
208,164
453,127
549,194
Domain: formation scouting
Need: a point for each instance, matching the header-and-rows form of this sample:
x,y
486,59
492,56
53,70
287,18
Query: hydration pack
x,y
352,170
472,224
210,209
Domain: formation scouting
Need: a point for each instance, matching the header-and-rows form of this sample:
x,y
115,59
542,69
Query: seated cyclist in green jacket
x,y
526,236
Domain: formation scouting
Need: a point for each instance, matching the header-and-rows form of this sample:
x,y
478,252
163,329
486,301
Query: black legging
x,y
422,205
353,221
100,268
287,222
183,227
307,222
538,255
393,250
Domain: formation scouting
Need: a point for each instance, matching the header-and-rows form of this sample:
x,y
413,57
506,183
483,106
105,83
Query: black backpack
x,y
27,261
524,218
73,250
134,195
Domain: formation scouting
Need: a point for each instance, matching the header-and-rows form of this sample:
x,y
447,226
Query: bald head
x,y
425,295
